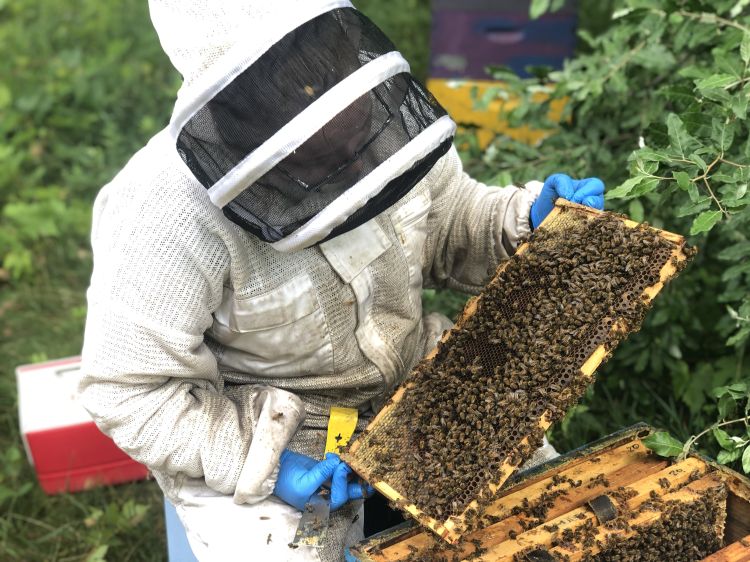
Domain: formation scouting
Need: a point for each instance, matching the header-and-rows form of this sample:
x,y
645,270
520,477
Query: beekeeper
x,y
262,259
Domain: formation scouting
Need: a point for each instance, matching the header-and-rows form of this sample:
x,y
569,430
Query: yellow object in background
x,y
341,425
456,97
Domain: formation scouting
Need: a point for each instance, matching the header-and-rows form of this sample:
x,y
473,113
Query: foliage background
x,y
657,107
82,88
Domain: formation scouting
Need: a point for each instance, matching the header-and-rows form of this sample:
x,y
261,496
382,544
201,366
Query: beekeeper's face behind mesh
x,y
330,156
319,133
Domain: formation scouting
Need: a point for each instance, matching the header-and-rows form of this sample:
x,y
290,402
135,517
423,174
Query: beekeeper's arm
x,y
473,227
150,381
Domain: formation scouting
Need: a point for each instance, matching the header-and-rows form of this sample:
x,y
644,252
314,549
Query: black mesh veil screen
x,y
292,74
394,191
355,143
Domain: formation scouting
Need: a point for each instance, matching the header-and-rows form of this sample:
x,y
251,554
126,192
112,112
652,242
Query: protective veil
x,y
263,259
312,131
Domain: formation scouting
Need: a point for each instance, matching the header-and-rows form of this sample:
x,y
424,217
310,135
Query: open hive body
x,y
661,511
520,355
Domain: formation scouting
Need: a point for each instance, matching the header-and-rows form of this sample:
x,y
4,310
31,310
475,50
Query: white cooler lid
x,y
48,396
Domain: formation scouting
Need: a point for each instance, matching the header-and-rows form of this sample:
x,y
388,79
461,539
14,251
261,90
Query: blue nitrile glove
x,y
301,476
589,192
342,490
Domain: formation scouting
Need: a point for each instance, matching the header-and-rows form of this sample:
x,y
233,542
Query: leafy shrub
x,y
80,90
733,401
657,107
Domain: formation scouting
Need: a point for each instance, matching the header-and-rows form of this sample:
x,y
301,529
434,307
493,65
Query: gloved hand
x,y
301,476
589,192
343,491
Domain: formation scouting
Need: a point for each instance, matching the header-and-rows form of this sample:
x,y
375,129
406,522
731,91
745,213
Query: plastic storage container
x,y
66,449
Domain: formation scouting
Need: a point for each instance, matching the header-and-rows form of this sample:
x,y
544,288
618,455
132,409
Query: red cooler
x,y
66,449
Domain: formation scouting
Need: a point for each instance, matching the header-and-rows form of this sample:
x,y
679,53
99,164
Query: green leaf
x,y
705,222
726,177
624,189
739,337
728,62
572,413
621,13
134,512
735,271
727,457
695,120
18,263
683,179
727,406
635,210
647,167
738,7
679,138
655,57
724,440
722,133
503,178
689,208
663,444
648,154
642,361
735,252
715,81
661,317
538,7
746,460
99,554
679,93
719,95
739,105
694,194
745,49
700,162
646,186
738,390
675,18
558,5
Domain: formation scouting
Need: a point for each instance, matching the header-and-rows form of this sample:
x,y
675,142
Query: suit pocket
x,y
280,333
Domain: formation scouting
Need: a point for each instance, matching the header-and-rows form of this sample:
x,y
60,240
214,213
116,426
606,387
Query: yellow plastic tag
x,y
341,425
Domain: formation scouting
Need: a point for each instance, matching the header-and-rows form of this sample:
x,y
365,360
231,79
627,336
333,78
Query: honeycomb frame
x,y
452,528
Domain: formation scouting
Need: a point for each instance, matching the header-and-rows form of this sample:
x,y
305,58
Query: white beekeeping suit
x,y
262,259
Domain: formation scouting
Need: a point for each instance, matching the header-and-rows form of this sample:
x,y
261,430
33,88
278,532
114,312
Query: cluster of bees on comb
x,y
467,411
685,531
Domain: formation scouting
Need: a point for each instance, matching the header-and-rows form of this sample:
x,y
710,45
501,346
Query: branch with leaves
x,y
734,446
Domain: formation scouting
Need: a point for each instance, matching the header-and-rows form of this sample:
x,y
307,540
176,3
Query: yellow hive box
x,y
459,97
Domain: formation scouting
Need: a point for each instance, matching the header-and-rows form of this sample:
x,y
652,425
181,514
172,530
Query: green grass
x,y
43,319
81,88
